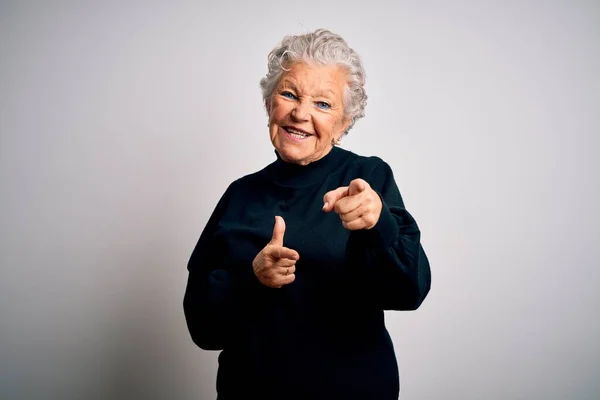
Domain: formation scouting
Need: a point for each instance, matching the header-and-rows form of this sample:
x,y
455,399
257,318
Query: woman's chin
x,y
299,155
295,157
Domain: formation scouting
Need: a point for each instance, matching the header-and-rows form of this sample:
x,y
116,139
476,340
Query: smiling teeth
x,y
297,134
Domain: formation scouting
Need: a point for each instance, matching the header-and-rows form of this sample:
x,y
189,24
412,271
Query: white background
x,y
123,122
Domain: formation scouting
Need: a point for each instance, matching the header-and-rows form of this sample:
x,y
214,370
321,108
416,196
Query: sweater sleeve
x,y
390,257
208,299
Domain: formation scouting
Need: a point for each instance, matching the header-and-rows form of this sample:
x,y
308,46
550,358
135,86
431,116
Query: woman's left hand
x,y
358,205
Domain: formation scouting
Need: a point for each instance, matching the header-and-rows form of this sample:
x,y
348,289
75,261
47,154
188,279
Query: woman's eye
x,y
288,95
323,105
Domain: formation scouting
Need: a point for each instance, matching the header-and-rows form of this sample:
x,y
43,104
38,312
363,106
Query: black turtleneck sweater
x,y
322,336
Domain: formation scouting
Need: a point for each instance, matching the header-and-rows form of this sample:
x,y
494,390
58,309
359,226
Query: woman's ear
x,y
268,110
345,125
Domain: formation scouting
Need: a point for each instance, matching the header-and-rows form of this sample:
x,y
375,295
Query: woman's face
x,y
306,112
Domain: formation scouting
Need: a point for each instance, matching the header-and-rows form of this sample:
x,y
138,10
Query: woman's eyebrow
x,y
286,82
327,93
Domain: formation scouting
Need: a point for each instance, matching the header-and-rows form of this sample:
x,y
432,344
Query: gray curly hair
x,y
325,48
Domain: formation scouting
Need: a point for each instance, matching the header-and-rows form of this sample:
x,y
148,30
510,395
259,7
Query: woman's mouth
x,y
295,134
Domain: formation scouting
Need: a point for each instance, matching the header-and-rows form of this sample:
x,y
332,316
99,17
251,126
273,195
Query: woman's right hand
x,y
275,265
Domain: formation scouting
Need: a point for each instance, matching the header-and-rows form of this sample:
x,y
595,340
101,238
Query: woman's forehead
x,y
327,79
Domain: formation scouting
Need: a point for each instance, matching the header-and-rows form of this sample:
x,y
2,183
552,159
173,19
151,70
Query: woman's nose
x,y
301,111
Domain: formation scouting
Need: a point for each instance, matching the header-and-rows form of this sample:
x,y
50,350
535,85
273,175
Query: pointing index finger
x,y
357,186
333,196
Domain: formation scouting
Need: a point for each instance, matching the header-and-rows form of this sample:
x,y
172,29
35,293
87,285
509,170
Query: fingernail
x,y
325,205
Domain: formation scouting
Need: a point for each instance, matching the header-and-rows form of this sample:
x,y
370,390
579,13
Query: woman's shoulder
x,y
248,181
364,163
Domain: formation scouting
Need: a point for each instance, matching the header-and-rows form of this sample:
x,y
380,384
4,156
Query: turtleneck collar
x,y
290,174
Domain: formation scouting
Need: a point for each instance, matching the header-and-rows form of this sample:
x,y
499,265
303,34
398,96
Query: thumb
x,y
357,186
333,196
278,231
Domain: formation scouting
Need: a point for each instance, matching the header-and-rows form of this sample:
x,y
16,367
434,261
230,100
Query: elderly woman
x,y
298,262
